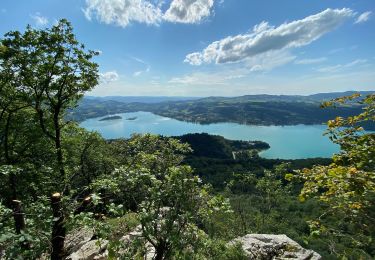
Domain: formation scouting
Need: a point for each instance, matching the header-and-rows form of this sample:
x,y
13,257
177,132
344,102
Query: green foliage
x,y
87,156
214,146
48,70
42,74
348,184
30,243
172,204
152,151
267,194
50,65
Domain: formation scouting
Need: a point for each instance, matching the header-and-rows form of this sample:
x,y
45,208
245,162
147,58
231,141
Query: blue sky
x,y
216,47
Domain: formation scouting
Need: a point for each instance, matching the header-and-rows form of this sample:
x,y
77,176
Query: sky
x,y
215,47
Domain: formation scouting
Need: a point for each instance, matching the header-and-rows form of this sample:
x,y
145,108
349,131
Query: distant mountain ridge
x,y
332,95
249,109
141,99
244,98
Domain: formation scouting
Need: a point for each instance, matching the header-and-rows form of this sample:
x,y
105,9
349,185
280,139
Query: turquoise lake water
x,y
287,142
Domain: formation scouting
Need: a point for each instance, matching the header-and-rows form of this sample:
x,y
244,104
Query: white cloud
x,y
265,38
139,72
188,11
123,12
339,67
108,77
194,58
222,77
337,50
227,73
364,17
39,19
259,83
269,60
310,61
139,60
200,79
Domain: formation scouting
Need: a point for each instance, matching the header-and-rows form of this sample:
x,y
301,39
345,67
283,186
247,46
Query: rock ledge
x,y
82,245
272,247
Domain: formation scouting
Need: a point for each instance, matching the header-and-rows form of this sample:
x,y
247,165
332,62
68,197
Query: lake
x,y
287,142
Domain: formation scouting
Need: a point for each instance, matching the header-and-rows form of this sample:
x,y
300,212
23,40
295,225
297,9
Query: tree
x,y
173,206
20,136
52,70
173,215
88,155
43,73
347,185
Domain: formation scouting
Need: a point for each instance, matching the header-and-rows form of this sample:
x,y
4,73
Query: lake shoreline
x,y
287,142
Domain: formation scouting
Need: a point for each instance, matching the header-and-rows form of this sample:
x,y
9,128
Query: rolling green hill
x,y
250,109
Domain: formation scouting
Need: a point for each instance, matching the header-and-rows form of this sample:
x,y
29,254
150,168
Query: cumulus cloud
x,y
194,58
364,17
265,38
39,19
227,73
188,11
123,12
108,77
310,61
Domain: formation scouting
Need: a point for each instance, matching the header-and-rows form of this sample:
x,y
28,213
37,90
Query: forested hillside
x,y
252,110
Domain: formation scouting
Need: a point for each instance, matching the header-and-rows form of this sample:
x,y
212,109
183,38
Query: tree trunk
x,y
18,216
84,205
19,220
161,251
58,228
59,155
6,139
8,160
12,184
82,164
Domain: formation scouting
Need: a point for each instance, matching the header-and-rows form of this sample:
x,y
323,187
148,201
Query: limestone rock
x,y
82,245
77,239
91,250
137,233
274,247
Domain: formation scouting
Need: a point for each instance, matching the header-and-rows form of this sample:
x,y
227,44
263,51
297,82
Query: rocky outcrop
x,y
136,234
93,249
273,247
82,245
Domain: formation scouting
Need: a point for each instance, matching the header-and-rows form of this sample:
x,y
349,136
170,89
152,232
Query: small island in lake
x,y
110,118
131,118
